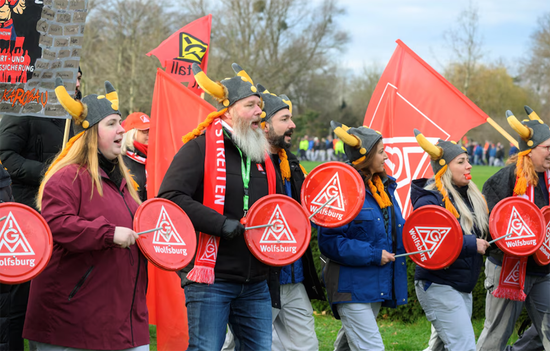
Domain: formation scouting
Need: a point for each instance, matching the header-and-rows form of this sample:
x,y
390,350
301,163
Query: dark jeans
x,y
246,307
13,306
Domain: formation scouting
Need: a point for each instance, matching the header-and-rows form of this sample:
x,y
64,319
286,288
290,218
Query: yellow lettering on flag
x,y
191,49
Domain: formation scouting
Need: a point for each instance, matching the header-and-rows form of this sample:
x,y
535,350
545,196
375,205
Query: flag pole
x,y
66,133
502,131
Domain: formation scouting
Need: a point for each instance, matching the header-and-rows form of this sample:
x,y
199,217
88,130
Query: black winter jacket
x,y
500,186
137,170
311,281
5,289
463,273
27,146
183,184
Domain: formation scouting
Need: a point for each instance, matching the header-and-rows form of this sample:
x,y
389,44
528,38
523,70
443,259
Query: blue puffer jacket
x,y
463,273
353,272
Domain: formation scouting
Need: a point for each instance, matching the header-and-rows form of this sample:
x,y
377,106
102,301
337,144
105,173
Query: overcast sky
x,y
374,25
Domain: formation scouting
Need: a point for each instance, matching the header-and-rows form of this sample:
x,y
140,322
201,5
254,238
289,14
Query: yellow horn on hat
x,y
435,152
217,90
241,73
287,101
524,132
532,114
351,140
111,95
72,106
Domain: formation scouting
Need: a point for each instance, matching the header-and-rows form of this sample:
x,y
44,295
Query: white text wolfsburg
x,y
170,250
277,248
521,243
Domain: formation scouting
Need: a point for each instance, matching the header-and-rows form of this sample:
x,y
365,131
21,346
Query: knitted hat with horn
x,y
91,109
532,132
441,155
357,141
226,93
85,113
273,103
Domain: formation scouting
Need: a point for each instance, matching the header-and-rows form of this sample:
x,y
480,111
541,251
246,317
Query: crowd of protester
x,y
326,149
488,153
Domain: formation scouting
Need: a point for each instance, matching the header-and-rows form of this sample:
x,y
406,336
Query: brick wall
x,y
61,29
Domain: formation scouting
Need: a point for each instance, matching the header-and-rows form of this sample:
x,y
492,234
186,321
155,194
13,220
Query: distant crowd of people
x,y
326,149
489,154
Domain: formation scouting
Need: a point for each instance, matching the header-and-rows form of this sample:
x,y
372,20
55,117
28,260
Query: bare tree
x,y
279,42
466,44
535,70
118,35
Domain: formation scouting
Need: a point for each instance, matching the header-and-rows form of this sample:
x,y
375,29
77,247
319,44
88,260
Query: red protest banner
x,y
188,45
175,112
411,94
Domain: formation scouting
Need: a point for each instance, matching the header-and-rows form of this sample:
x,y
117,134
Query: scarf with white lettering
x,y
214,198
512,275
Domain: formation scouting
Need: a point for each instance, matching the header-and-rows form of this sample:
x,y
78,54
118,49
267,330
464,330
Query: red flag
x,y
188,45
175,112
411,94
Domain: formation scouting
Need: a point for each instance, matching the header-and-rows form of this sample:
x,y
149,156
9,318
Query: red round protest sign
x,y
523,220
338,188
26,243
173,246
286,238
432,228
542,255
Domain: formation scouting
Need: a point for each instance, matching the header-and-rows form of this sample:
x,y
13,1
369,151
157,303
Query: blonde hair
x,y
128,140
83,153
480,216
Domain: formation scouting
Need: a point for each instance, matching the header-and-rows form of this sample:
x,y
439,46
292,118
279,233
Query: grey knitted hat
x,y
532,132
357,141
91,109
442,153
229,90
273,103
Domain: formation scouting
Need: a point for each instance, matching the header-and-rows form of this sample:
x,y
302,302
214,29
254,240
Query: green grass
x,y
479,173
396,335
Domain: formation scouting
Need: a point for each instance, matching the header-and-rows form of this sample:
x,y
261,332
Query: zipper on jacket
x,y
137,276
80,283
293,278
123,199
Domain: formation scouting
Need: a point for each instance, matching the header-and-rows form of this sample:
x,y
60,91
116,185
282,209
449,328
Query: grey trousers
x,y
450,312
359,324
501,314
294,323
530,341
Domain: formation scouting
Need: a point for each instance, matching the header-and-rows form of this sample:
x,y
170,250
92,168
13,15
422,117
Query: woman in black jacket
x,y
446,294
134,149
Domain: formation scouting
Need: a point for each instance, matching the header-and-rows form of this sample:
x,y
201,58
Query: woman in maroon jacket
x,y
92,293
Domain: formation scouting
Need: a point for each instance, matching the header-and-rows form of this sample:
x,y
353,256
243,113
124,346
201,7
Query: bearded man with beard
x,y
215,178
291,286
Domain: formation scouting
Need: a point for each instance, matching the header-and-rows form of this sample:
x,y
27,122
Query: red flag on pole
x,y
188,45
411,94
175,112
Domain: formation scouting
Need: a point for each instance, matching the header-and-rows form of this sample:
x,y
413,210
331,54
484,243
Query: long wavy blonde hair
x,y
480,216
83,152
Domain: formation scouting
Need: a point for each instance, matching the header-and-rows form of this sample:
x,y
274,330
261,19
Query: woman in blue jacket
x,y
446,294
362,273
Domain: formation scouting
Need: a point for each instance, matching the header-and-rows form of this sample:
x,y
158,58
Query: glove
x,y
231,229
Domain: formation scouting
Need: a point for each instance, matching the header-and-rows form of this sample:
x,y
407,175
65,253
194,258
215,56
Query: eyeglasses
x,y
547,148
